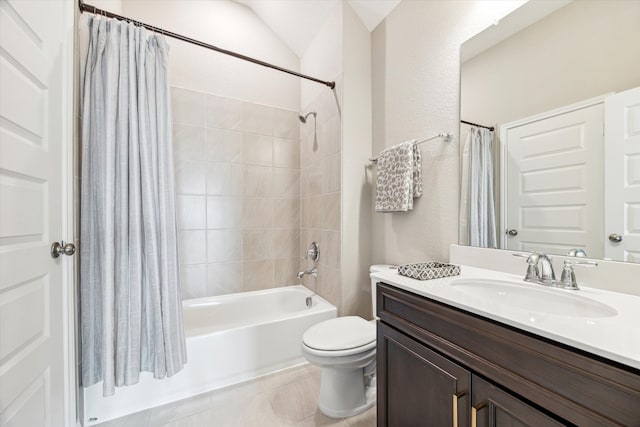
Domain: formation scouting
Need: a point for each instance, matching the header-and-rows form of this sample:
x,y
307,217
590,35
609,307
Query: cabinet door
x,y
417,386
493,406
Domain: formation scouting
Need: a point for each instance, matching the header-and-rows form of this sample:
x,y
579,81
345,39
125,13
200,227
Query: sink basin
x,y
527,297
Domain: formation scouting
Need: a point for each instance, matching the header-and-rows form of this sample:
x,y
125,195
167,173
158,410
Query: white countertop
x,y
616,337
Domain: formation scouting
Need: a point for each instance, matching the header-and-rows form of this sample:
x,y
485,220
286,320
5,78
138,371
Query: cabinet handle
x,y
474,413
454,402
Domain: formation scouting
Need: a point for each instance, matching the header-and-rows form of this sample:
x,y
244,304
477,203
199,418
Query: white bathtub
x,y
230,338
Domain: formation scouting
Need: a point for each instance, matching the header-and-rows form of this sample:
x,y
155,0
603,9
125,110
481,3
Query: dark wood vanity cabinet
x,y
441,366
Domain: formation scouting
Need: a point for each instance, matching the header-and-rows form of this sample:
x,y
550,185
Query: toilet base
x,y
346,392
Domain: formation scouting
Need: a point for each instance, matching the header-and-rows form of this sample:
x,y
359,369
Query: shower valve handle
x,y
313,252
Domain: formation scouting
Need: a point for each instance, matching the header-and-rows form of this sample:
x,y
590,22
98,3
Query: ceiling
x,y
296,22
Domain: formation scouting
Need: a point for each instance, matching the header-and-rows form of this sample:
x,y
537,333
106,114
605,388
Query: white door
x,y
622,179
34,130
553,186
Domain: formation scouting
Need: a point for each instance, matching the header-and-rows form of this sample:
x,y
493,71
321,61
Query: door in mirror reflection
x,y
552,181
622,180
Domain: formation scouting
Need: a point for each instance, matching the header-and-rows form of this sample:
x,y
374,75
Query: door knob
x,y
62,248
512,232
615,237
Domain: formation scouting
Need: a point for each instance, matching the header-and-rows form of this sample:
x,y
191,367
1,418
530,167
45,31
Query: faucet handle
x,y
568,278
532,267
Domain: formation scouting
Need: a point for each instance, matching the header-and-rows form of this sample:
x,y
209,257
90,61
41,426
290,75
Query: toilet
x,y
345,349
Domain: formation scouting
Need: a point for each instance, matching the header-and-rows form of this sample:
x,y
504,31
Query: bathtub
x,y
230,339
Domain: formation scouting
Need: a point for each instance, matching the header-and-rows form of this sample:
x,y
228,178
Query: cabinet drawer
x,y
574,385
494,407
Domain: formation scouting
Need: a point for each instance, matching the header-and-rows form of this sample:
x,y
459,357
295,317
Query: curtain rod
x,y
92,9
491,128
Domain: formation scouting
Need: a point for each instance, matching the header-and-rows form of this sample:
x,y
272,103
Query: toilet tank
x,y
374,269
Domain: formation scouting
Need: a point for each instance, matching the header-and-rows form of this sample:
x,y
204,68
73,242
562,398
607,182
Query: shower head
x,y
304,118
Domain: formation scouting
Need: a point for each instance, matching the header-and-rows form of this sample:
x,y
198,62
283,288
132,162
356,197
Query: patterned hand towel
x,y
399,178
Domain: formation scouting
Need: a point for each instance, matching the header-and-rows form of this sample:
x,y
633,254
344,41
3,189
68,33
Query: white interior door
x,y
554,186
34,117
622,179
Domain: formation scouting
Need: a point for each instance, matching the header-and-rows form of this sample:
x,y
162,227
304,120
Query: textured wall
x,y
415,60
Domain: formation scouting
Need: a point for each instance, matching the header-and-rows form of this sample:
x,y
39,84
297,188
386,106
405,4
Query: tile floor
x,y
286,398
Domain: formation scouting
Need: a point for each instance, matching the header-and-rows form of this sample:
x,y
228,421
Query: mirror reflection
x,y
551,151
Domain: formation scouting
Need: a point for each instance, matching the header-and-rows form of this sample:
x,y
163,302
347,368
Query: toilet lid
x,y
340,333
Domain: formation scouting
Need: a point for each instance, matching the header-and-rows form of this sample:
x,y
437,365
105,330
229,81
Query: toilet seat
x,y
342,336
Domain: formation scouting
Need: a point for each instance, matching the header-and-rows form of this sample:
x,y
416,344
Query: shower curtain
x,y
477,207
131,310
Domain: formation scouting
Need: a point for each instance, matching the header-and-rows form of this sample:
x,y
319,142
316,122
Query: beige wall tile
x,y
192,246
286,183
331,251
223,113
188,142
331,211
257,212
257,245
316,213
224,278
191,177
304,182
314,174
286,123
191,212
257,181
257,275
224,179
257,149
193,281
257,118
331,173
285,272
332,135
224,212
330,288
286,153
224,245
286,243
305,217
316,147
188,107
224,145
286,213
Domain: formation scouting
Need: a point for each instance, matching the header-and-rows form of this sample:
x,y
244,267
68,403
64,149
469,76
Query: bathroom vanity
x,y
446,359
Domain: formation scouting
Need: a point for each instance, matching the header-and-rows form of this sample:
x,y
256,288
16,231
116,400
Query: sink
x,y
528,297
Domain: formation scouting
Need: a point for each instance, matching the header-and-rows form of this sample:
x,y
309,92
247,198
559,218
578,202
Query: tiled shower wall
x,y
321,191
237,171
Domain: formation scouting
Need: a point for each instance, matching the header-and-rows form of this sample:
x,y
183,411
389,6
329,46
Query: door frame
x,y
69,194
505,128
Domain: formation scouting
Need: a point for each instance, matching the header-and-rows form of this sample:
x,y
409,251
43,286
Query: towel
x,y
399,178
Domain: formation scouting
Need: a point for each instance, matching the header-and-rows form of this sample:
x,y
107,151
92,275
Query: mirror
x,y
549,77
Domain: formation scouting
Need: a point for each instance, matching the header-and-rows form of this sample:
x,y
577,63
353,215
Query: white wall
x,y
415,60
231,26
571,55
356,178
323,58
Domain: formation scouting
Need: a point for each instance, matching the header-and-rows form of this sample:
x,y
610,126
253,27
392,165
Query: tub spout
x,y
313,272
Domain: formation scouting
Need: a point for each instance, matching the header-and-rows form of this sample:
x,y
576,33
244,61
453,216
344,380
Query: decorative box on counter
x,y
428,270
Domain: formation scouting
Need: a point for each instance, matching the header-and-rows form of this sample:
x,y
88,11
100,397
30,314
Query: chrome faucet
x,y
547,275
313,272
540,271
